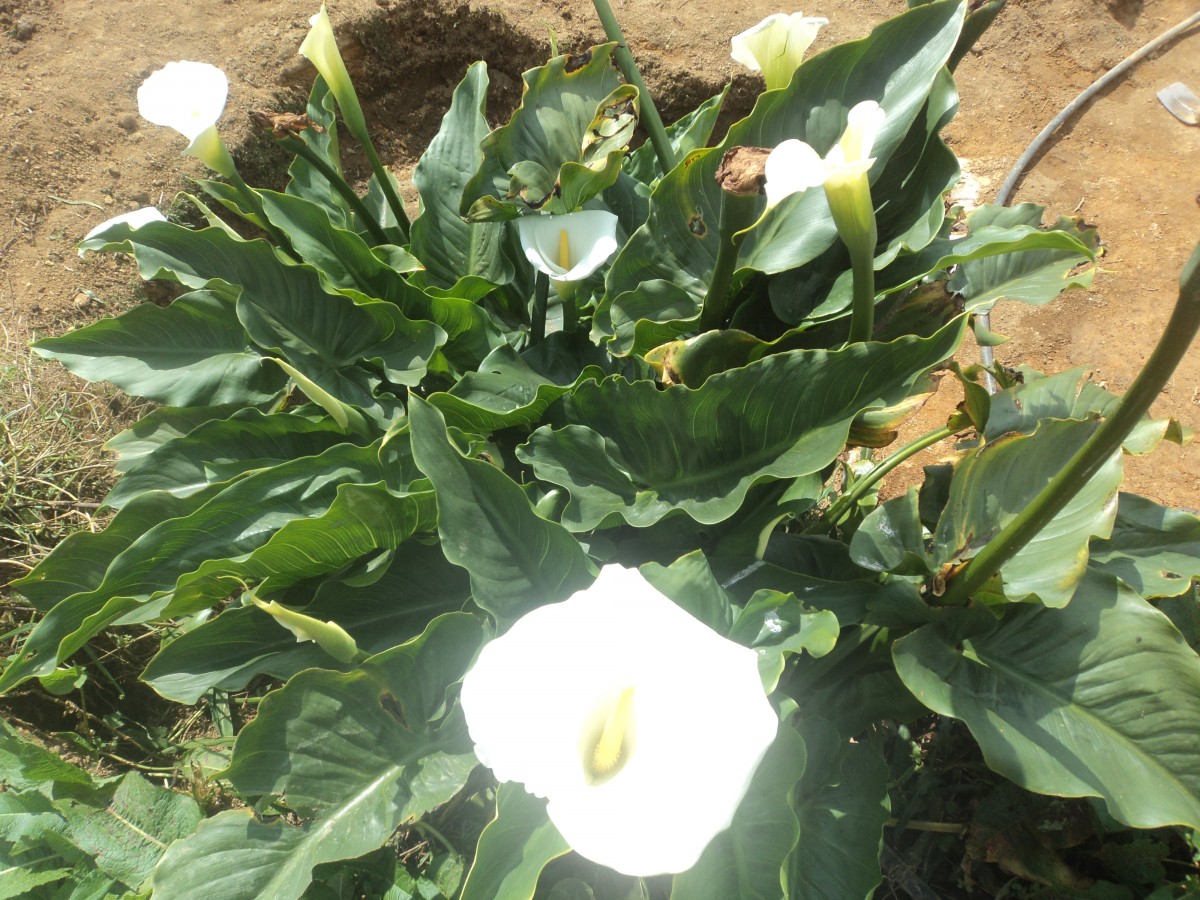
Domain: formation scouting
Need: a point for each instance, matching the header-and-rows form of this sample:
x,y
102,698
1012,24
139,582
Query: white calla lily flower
x,y
642,726
571,246
776,46
794,166
134,219
320,48
189,97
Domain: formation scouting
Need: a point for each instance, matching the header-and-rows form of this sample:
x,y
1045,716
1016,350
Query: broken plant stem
x,y
300,147
1088,460
649,112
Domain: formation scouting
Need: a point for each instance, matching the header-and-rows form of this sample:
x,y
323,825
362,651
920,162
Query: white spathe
x,y
794,166
571,246
187,96
320,48
134,219
776,46
692,722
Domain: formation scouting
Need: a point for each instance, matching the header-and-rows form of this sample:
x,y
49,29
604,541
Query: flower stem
x,y
570,312
845,502
1087,461
255,202
537,321
300,147
385,183
737,214
862,312
649,112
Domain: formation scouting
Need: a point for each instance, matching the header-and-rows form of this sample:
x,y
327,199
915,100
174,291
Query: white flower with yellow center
x,y
776,46
640,725
794,166
189,97
571,246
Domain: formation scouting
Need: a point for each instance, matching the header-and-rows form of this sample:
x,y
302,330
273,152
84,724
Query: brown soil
x,y
73,151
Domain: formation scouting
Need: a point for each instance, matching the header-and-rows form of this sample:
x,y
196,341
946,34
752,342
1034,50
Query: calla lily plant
x,y
776,46
641,725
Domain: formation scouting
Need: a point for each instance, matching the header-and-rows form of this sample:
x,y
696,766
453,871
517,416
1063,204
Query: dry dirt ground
x,y
73,151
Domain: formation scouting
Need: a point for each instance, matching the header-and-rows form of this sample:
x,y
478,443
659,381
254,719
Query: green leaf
x,y
842,803
228,651
559,104
358,752
18,881
223,449
517,559
365,517
504,392
1036,276
306,180
1100,698
998,481
745,861
128,834
344,259
284,307
449,247
514,848
79,563
1069,395
194,352
892,539
637,451
776,625
27,765
236,520
1153,549
691,585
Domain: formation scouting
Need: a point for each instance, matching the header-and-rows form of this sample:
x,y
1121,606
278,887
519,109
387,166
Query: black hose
x,y
1008,188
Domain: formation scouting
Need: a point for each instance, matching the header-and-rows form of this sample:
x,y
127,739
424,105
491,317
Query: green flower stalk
x,y
649,112
1181,330
794,166
564,249
320,48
